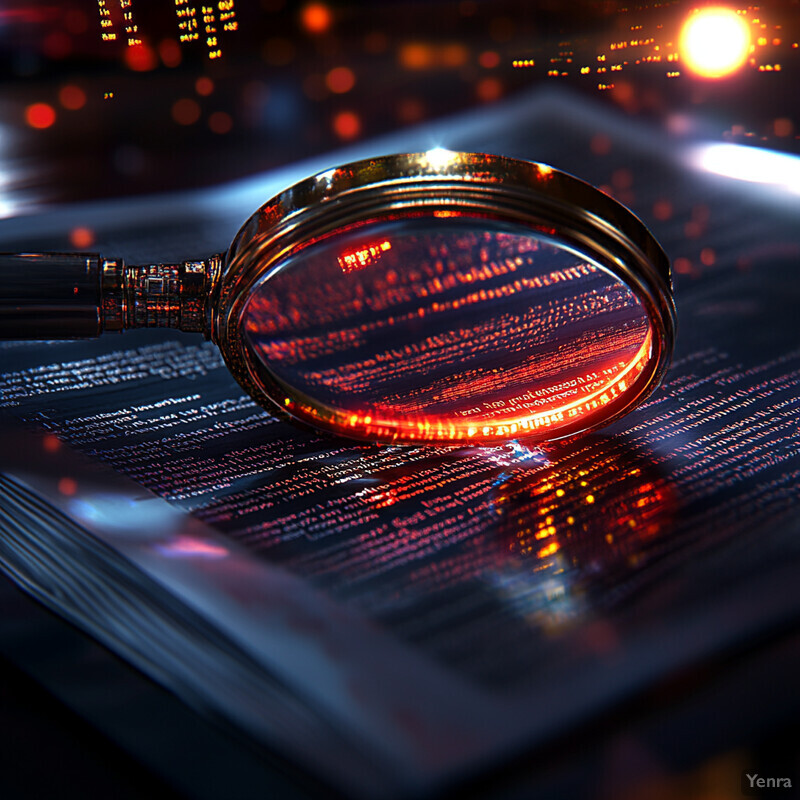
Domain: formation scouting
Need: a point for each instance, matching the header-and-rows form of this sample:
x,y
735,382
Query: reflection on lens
x,y
440,328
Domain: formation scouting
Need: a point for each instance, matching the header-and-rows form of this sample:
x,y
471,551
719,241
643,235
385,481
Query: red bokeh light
x,y
185,111
72,97
220,122
67,486
57,45
340,80
170,52
347,125
81,237
489,89
489,59
140,58
662,210
40,115
204,86
600,144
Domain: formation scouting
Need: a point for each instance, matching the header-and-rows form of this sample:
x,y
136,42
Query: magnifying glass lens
x,y
444,328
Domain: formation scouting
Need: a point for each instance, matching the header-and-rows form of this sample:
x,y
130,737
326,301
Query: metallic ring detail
x,y
545,200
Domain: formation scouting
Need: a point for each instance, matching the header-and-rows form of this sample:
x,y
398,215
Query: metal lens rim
x,y
518,192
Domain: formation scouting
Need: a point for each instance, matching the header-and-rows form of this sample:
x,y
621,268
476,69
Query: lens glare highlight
x,y
714,42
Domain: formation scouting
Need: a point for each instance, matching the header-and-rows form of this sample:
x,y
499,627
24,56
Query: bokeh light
x,y
220,122
140,58
68,486
454,55
416,55
185,111
340,80
347,125
488,90
72,97
204,86
714,42
81,237
170,53
40,115
600,144
316,18
489,59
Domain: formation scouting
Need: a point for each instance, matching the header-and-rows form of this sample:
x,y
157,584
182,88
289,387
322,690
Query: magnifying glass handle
x,y
81,295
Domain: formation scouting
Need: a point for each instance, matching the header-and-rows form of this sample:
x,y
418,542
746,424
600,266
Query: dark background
x,y
85,118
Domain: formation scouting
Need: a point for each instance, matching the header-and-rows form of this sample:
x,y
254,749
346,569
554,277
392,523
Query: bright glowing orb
x,y
714,42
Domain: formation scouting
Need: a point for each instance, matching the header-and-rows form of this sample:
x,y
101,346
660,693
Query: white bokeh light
x,y
752,164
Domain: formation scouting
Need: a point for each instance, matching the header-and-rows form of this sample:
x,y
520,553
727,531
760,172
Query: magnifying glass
x,y
436,297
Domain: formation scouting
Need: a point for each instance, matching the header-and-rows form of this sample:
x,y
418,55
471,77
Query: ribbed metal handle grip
x,y
49,295
81,295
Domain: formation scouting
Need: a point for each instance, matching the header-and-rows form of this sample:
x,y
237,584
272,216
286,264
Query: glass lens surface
x,y
444,329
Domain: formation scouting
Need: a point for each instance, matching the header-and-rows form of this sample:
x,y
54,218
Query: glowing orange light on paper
x,y
714,42
363,257
544,423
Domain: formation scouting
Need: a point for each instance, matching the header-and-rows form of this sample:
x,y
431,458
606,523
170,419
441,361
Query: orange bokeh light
x,y
316,18
416,55
40,115
454,55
